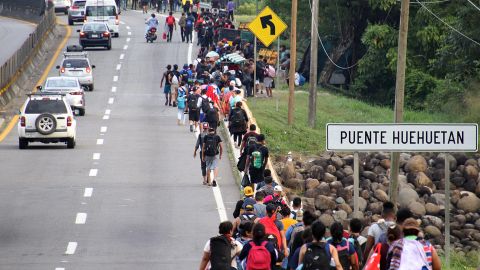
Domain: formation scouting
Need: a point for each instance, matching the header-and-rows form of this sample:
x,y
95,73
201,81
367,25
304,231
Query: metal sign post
x,y
447,210
356,185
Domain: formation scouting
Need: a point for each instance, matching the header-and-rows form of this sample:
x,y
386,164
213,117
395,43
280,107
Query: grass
x,y
300,138
470,261
244,18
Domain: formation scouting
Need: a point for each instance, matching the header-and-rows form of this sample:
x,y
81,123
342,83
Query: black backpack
x,y
212,115
343,254
205,104
192,102
220,253
211,145
359,250
317,257
238,119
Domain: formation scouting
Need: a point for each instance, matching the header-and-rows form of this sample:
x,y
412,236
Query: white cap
x,y
278,188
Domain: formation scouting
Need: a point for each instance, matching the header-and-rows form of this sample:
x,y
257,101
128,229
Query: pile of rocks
x,y
326,186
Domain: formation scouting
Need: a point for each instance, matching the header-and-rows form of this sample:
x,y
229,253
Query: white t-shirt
x,y
376,231
236,249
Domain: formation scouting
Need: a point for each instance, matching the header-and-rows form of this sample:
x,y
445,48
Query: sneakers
x,y
191,128
214,183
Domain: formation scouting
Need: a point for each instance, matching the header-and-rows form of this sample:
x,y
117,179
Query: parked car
x,y
68,86
61,6
76,64
76,13
95,34
46,118
103,11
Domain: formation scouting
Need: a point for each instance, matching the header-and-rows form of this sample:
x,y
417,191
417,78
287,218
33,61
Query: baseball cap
x,y
299,215
248,191
278,188
248,207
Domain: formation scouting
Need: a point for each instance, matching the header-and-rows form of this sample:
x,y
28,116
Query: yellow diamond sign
x,y
267,26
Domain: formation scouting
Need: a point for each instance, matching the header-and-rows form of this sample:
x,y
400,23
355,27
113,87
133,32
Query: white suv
x,y
46,118
76,64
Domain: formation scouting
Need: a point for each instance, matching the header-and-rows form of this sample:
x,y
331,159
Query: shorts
x,y
268,82
202,117
193,116
211,162
167,89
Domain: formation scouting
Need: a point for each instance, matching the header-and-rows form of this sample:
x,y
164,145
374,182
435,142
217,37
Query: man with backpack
x,y
171,24
189,24
220,251
175,79
274,232
357,240
238,121
199,144
211,153
380,227
257,159
168,86
203,104
259,253
247,215
212,116
193,112
250,138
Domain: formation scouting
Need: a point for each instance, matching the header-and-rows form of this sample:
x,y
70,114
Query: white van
x,y
103,11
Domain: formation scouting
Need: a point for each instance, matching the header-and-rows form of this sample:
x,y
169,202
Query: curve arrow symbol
x,y
267,21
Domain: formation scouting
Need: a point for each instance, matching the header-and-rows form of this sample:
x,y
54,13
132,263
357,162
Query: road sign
x,y
267,26
403,137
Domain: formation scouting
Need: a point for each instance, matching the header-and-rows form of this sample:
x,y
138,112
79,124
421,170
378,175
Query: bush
x,y
418,85
246,9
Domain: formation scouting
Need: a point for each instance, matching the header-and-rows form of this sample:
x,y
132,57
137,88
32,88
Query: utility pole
x,y
399,93
255,59
293,60
312,98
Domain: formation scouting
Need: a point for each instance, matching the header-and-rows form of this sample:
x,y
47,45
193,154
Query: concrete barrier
x,y
27,10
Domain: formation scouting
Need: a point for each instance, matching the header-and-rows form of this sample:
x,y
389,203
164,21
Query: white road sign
x,y
403,137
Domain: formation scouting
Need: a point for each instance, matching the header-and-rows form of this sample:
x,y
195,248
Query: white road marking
x,y
111,100
122,56
64,261
93,172
128,27
88,192
122,23
128,39
115,78
107,111
58,268
96,156
125,47
103,129
190,49
106,117
99,141
129,33
81,218
71,247
114,89
119,66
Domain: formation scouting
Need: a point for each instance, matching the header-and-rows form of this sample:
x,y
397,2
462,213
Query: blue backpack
x,y
181,98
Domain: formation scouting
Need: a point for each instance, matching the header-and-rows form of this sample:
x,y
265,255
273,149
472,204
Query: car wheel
x,y
109,46
22,143
90,88
46,124
117,34
71,143
81,111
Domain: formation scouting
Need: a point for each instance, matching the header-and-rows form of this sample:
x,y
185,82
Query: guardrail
x,y
12,67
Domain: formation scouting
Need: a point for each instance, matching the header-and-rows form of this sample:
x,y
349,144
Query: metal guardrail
x,y
10,69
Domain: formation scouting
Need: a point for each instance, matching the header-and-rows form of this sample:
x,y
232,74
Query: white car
x,y
103,11
68,86
48,119
76,13
76,64
62,6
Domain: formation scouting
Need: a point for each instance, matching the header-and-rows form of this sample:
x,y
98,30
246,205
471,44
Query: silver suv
x,y
76,13
76,64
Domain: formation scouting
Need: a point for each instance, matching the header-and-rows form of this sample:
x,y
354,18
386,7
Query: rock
x,y
348,160
438,174
470,185
348,170
375,208
340,215
381,195
458,181
339,200
471,172
345,207
362,204
365,183
321,161
365,194
336,185
422,180
317,172
337,162
433,220
339,174
460,157
439,198
369,175
288,171
385,163
461,219
326,219
416,163
329,177
407,196
324,203
331,169
432,231
312,183
440,162
347,181
313,193
432,209
477,189
308,204
417,209
296,184
324,188
379,170
469,202
471,162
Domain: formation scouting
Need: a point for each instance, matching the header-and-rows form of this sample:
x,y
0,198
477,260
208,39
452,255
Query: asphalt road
x,y
140,189
14,33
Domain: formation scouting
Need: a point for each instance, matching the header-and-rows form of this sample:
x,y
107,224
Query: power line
x,y
444,22
474,5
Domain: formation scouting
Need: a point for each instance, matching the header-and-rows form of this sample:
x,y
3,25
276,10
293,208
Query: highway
x,y
130,195
14,33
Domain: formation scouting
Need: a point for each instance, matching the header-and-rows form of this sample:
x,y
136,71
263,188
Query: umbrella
x,y
212,54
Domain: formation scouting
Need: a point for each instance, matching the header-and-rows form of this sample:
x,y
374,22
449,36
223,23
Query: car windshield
x,y
97,27
100,11
45,106
79,3
61,83
75,63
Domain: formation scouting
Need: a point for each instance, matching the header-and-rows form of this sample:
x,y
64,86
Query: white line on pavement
x,y
106,117
128,27
107,111
119,66
93,172
125,47
114,89
111,100
88,192
122,56
99,141
71,247
128,39
103,129
96,156
115,78
81,218
122,23
58,268
129,33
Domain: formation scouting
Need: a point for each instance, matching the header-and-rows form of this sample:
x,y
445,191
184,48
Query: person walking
x,y
238,121
189,23
257,158
212,151
159,5
274,230
259,253
249,138
380,227
181,23
198,145
171,24
134,4
212,116
181,103
144,6
220,251
248,193
168,86
165,5
345,249
193,111
186,4
171,4
123,4
231,9
175,79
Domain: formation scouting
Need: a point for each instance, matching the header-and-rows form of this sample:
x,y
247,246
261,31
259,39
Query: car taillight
x,y
88,70
22,121
82,34
62,70
117,21
69,121
106,34
76,93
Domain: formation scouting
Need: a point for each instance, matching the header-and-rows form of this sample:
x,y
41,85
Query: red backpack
x,y
170,20
258,257
271,229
